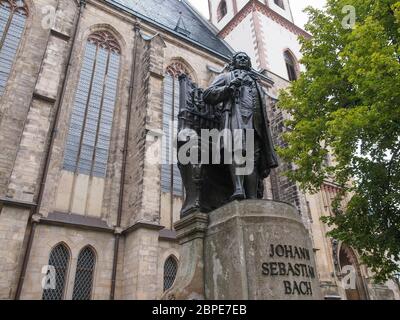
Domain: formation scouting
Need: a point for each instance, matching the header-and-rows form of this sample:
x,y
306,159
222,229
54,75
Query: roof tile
x,y
167,13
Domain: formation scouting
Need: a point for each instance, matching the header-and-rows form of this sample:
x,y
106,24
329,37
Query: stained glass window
x,y
89,134
13,14
171,181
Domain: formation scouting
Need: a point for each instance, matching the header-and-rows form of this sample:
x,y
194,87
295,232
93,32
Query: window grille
x,y
83,285
89,134
170,271
13,14
59,259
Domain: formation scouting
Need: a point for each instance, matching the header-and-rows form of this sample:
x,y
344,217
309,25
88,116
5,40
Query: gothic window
x,y
84,275
222,10
329,195
59,260
13,14
348,263
291,66
171,181
280,3
170,271
89,134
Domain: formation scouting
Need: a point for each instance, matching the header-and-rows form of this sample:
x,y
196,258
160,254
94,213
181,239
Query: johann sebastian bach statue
x,y
235,102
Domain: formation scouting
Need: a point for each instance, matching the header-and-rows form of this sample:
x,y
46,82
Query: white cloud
x,y
201,6
297,6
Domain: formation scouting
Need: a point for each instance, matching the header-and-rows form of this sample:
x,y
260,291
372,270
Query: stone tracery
x,y
16,6
105,40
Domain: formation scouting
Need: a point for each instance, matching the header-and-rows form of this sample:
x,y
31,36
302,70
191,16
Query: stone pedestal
x,y
189,283
259,250
249,250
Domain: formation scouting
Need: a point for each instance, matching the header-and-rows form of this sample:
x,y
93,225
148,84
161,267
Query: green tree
x,y
347,103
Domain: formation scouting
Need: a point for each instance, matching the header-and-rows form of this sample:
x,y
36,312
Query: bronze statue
x,y
234,102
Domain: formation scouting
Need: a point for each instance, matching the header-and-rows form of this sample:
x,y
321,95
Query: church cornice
x,y
255,5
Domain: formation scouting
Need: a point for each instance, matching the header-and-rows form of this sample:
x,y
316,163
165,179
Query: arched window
x,y
222,10
58,262
170,271
89,134
280,3
83,285
13,14
291,66
347,258
171,181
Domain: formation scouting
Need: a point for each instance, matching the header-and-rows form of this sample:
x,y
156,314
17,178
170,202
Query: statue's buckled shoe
x,y
238,196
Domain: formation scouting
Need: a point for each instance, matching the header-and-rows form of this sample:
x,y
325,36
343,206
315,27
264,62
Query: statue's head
x,y
240,61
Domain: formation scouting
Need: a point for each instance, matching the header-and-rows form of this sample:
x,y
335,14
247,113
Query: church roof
x,y
169,14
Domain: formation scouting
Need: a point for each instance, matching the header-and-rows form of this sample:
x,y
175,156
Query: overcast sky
x,y
297,6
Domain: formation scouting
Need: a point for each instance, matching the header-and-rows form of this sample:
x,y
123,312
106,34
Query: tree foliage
x,y
347,103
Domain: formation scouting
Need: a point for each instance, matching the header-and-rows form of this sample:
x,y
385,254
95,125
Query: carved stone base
x,y
249,250
259,250
189,284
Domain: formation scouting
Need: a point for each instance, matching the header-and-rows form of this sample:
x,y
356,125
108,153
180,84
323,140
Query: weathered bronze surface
x,y
235,101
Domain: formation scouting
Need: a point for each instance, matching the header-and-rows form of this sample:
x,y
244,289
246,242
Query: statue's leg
x,y
192,183
238,184
251,182
251,185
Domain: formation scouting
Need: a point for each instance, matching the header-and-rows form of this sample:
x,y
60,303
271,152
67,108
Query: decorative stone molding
x,y
189,283
142,225
246,10
118,231
259,41
255,5
36,218
105,40
77,221
17,204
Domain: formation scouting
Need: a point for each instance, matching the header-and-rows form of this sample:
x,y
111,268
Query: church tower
x,y
264,29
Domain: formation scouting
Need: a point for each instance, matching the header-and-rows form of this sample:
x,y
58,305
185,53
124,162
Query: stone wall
x,y
47,237
27,112
15,102
13,225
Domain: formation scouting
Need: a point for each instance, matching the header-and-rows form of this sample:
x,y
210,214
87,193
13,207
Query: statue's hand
x,y
236,83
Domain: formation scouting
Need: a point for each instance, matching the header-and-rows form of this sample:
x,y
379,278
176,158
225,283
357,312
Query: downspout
x,y
124,161
36,210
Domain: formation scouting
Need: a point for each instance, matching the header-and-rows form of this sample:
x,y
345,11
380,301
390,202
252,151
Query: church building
x,y
89,93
